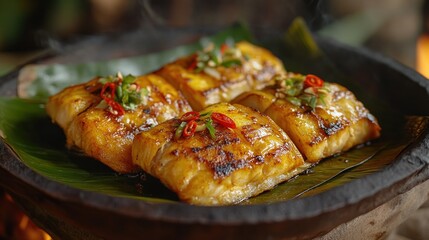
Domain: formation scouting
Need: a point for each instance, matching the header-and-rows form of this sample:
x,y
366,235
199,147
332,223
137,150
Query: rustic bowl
x,y
69,213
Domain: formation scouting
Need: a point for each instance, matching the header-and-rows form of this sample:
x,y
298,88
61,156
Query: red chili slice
x,y
193,64
223,120
110,100
190,128
190,116
112,87
223,48
312,81
117,107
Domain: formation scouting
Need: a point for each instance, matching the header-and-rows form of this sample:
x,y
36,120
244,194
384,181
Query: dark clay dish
x,y
71,213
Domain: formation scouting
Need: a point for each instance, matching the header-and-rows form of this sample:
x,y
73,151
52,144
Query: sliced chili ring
x,y
223,48
312,81
110,100
116,107
112,87
193,64
190,128
179,130
223,120
193,115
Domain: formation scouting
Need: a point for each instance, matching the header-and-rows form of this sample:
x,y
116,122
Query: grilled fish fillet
x,y
209,85
89,125
334,126
235,165
70,102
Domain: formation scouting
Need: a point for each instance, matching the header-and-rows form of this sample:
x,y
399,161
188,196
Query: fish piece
x,y
218,75
104,129
257,99
64,106
249,157
322,120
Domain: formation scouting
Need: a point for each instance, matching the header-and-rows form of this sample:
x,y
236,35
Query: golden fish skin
x,y
107,137
64,106
202,89
239,163
342,123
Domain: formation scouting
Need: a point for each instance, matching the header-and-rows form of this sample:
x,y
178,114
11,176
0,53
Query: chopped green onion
x,y
128,79
127,93
294,100
322,99
213,57
231,63
313,101
179,130
200,127
294,90
310,90
212,130
294,86
119,92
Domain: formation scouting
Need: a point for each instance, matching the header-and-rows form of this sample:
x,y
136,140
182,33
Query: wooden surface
x,y
399,219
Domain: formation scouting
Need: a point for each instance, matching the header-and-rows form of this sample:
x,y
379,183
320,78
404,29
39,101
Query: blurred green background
x,y
28,26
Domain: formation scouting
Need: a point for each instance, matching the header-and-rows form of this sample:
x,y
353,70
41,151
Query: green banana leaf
x,y
46,80
40,145
25,126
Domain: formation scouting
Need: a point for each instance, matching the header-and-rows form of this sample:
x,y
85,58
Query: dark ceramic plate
x,y
70,213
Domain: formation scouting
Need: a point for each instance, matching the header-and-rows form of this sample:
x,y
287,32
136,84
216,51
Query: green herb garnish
x,y
209,126
179,130
308,90
212,57
128,93
192,122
